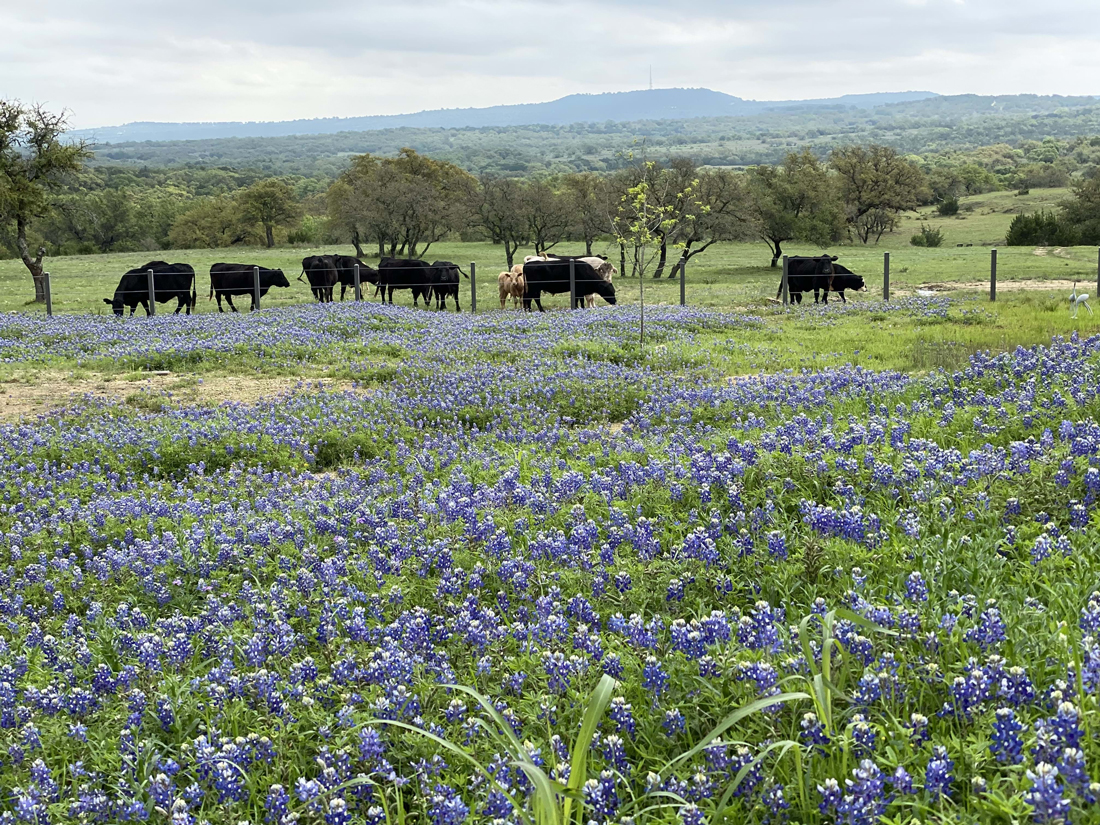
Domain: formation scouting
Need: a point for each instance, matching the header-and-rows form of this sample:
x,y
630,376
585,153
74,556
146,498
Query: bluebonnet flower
x,y
938,775
1045,796
1007,745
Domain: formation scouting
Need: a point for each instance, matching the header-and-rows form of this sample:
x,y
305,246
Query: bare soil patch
x,y
34,394
1009,285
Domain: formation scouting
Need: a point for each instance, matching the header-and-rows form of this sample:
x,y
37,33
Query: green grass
x,y
730,275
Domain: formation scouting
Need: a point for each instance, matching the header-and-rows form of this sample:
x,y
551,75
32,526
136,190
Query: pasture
x,y
355,563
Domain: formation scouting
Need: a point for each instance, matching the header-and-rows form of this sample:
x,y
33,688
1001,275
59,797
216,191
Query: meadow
x,y
354,563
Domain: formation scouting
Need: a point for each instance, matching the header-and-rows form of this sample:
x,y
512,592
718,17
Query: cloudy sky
x,y
116,61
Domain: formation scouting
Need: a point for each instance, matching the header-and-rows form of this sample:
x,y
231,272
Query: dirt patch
x,y
32,395
1009,285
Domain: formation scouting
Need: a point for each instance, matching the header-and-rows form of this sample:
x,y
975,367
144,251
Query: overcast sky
x,y
116,61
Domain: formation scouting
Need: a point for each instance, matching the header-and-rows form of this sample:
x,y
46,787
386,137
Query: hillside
x,y
931,125
652,104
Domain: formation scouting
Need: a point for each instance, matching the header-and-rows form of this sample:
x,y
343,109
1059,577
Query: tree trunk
x,y
622,258
674,271
357,242
33,264
588,247
510,251
270,230
661,261
777,253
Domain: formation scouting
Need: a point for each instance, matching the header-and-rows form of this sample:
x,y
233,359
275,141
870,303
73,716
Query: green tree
x,y
590,202
34,163
876,185
1082,210
647,216
211,223
795,201
548,215
497,206
720,213
270,203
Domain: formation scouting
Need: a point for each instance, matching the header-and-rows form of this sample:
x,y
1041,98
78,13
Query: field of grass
x,y
734,275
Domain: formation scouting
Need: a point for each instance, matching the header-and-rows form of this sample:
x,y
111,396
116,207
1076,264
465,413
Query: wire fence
x,y
148,287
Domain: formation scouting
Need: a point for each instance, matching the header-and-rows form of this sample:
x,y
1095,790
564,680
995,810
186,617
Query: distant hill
x,y
653,104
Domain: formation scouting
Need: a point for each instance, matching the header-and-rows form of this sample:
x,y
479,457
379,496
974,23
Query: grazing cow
x,y
821,274
320,270
444,279
553,277
405,273
511,285
169,281
240,279
604,268
345,272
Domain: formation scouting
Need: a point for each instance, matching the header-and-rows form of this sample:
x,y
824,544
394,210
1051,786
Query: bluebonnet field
x,y
531,572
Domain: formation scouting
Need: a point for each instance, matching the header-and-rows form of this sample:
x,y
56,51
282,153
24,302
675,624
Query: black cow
x,y
169,281
345,272
320,270
444,278
820,274
240,279
553,277
405,273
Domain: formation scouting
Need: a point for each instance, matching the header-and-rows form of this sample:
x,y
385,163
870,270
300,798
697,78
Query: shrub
x,y
1041,229
927,237
948,207
1024,191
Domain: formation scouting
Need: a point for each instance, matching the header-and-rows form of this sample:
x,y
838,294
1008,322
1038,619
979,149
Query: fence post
x,y
473,287
993,275
152,295
886,276
572,284
783,283
49,294
1098,273
358,293
255,288
683,282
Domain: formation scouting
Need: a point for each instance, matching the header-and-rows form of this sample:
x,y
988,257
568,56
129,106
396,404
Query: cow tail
x,y
194,290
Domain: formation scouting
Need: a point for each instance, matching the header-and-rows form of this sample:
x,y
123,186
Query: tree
x,y
210,223
270,203
498,208
721,214
1082,210
876,185
589,197
99,221
33,165
645,222
548,215
405,204
794,201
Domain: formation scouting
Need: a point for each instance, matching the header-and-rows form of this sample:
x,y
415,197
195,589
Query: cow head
x,y
849,281
607,270
115,304
606,290
276,278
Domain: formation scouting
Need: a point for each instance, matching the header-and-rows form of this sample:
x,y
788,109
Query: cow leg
x,y
457,307
538,303
179,305
843,300
343,289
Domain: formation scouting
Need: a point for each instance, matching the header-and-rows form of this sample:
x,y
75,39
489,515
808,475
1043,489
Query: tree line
x,y
51,202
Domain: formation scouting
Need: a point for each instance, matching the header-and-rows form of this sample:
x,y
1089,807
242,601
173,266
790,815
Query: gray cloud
x,y
124,60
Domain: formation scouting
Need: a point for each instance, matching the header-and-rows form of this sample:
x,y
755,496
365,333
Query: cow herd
x,y
585,276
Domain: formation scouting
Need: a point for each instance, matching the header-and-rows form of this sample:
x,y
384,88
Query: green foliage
x,y
927,237
1082,210
948,207
876,185
270,203
1041,229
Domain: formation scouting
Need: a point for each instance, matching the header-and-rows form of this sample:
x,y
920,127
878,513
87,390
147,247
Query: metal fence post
x,y
572,284
358,292
1098,273
473,287
152,295
255,288
783,283
683,282
49,293
993,275
886,276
